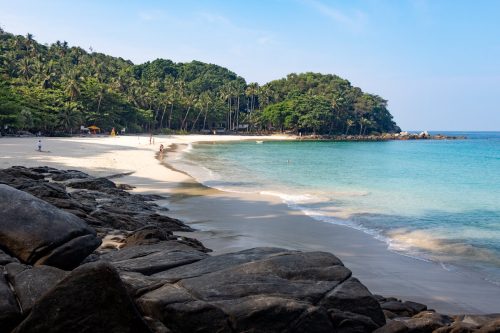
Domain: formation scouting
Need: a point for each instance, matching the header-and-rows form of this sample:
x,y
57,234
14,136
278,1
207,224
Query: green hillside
x,y
56,89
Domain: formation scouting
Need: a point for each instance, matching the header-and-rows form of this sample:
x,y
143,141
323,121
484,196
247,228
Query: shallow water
x,y
436,200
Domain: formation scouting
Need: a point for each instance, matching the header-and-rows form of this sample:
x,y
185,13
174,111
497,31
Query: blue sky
x,y
436,61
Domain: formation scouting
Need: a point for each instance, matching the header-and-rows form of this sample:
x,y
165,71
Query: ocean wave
x,y
416,244
443,250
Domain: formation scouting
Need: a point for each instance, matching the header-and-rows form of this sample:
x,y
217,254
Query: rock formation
x,y
146,279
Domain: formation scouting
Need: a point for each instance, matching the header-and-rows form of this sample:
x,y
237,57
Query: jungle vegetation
x,y
57,88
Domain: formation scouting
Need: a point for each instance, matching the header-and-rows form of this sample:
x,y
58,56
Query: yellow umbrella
x,y
93,129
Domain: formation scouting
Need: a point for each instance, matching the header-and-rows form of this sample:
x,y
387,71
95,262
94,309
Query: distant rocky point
x,y
383,137
82,254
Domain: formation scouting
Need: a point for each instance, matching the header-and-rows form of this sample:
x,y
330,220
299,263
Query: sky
x,y
437,62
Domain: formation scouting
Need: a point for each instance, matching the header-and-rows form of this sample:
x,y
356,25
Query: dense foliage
x,y
56,89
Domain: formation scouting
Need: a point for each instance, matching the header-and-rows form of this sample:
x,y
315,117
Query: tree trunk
x,y
205,118
99,104
185,118
170,116
230,118
238,114
196,120
163,115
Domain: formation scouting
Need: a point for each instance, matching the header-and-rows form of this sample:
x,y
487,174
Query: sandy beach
x,y
229,221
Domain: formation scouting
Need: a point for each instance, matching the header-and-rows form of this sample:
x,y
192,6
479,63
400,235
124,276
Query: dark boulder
x,y
10,314
352,296
399,308
69,174
275,314
348,322
138,284
258,290
31,283
182,312
6,259
301,276
415,307
96,184
219,262
91,299
19,172
154,258
36,232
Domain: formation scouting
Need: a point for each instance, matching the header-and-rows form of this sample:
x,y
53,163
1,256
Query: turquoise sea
x,y
434,200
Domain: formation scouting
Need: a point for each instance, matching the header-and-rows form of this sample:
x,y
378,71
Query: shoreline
x,y
230,221
398,275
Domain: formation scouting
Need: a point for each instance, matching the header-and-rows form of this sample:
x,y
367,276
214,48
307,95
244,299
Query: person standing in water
x,y
39,145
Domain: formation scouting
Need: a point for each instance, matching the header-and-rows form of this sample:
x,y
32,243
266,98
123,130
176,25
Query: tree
x,y
72,85
349,123
26,68
25,119
189,101
69,118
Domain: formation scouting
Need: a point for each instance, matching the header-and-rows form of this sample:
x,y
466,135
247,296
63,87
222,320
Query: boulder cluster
x,y
82,254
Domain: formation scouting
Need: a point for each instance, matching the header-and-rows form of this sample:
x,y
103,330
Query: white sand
x,y
231,221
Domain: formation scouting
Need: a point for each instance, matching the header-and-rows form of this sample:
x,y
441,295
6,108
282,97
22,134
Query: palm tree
x,y
226,95
202,104
349,123
238,90
68,118
166,100
9,64
190,100
207,100
336,104
26,68
265,92
73,85
170,91
251,91
30,44
101,92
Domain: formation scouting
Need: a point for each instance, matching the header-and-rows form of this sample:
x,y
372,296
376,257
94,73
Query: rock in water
x,y
38,233
91,299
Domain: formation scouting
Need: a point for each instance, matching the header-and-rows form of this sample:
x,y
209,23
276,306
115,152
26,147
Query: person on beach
x,y
161,149
39,145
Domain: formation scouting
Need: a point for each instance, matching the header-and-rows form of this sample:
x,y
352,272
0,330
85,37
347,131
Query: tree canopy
x,y
57,88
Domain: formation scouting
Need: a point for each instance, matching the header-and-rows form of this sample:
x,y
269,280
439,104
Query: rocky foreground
x,y
81,254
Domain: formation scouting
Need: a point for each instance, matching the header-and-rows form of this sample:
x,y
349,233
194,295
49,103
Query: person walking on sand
x,y
39,145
